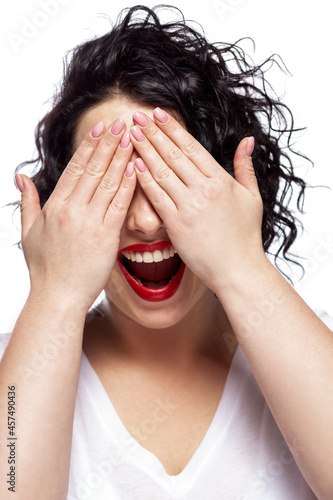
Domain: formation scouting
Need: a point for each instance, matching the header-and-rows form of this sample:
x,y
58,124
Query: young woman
x,y
203,375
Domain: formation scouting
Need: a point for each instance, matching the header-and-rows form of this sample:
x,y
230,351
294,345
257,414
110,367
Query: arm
x,y
214,223
291,354
42,361
70,248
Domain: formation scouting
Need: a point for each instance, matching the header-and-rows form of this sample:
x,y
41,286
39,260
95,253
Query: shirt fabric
x,y
243,455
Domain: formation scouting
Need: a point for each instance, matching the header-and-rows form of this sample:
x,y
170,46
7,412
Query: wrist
x,y
243,276
54,302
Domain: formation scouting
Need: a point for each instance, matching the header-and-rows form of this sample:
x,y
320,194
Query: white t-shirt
x,y
243,455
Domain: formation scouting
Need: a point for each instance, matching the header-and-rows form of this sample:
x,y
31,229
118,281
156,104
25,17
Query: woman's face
x,y
142,226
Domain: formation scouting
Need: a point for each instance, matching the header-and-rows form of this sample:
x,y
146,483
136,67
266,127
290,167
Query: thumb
x,y
30,204
243,167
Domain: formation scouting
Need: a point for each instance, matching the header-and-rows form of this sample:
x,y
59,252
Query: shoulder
x,y
4,338
325,317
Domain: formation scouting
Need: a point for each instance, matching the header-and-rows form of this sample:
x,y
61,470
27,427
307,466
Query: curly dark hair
x,y
217,90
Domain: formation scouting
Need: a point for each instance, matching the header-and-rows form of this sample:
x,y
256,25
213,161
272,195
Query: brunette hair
x,y
215,87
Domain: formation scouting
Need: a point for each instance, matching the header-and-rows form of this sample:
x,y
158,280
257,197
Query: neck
x,y
204,332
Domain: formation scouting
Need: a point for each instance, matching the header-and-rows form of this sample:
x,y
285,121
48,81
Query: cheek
x,y
115,287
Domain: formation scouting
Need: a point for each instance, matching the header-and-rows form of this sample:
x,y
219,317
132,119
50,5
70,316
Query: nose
x,y
142,217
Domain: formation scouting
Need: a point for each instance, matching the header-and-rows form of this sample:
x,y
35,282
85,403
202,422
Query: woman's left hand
x,y
213,220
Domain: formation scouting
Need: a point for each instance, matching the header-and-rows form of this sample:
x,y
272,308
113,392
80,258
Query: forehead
x,y
108,112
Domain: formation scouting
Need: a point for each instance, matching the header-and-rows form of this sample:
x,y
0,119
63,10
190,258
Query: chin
x,y
151,314
158,320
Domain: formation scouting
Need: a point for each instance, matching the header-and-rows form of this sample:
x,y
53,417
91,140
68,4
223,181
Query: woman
x,y
204,374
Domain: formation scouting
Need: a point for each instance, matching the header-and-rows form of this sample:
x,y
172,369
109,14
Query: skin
x,y
138,321
214,222
171,344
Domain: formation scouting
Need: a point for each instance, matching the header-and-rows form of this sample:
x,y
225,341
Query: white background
x,y
299,31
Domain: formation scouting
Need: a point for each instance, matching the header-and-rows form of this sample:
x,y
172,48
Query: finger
x,y
161,172
163,204
201,158
98,163
30,203
75,168
243,167
117,211
169,152
112,178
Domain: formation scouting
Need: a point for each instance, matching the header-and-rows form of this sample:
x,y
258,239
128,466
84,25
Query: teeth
x,y
156,256
148,257
166,253
138,257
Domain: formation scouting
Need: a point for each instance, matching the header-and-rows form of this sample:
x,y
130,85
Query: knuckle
x,y
93,169
49,207
117,206
211,190
152,130
86,148
147,180
191,147
107,184
74,168
172,127
107,145
23,206
158,198
67,216
174,154
163,173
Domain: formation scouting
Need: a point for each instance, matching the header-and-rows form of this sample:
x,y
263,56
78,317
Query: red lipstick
x,y
144,292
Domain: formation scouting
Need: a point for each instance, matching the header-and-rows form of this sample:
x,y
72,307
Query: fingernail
x,y
19,182
141,119
129,169
97,130
117,126
140,165
125,140
160,115
250,146
138,135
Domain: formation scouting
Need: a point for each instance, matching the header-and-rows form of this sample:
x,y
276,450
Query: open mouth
x,y
153,274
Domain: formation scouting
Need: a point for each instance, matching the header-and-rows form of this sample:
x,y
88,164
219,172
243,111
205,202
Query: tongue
x,y
154,284
154,274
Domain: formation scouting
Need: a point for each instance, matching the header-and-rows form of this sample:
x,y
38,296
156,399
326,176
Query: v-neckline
x,y
144,459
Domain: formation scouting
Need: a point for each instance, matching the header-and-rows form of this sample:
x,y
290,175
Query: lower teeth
x,y
137,279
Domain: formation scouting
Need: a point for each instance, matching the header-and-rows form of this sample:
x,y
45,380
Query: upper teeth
x,y
156,256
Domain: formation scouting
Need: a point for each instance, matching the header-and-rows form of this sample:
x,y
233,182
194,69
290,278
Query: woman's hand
x,y
71,245
213,220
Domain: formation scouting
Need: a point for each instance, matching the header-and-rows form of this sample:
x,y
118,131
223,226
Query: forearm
x,y
291,353
42,361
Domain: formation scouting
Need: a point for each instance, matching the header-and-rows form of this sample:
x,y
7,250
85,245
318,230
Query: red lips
x,y
146,293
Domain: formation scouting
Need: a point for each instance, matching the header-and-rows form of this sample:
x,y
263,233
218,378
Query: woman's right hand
x,y
70,246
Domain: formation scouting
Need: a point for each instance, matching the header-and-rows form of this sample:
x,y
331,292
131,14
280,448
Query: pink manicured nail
x,y
129,169
140,165
117,126
19,182
97,130
138,135
160,115
250,146
141,119
125,140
